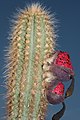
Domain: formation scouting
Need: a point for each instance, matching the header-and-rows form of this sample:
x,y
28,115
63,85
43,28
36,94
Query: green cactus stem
x,y
31,42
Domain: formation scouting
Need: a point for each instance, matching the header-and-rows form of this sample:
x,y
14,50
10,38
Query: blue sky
x,y
67,12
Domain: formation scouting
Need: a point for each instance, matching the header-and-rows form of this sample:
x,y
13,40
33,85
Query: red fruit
x,y
59,89
55,92
63,59
62,66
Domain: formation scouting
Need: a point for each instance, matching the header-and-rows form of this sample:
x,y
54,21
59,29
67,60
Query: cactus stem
x,y
32,41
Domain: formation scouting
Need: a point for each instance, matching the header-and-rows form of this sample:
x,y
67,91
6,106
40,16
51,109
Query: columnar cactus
x,y
32,41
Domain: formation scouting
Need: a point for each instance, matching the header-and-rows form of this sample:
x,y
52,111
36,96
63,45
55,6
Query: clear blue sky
x,y
68,14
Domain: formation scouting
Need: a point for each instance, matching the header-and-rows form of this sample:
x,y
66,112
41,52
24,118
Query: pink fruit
x,y
55,92
62,66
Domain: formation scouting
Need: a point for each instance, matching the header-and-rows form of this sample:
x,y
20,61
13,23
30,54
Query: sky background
x,y
67,12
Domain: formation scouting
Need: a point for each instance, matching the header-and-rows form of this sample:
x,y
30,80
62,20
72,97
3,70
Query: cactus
x,y
32,40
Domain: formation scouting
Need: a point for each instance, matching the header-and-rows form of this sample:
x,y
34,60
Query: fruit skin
x,y
55,92
32,40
